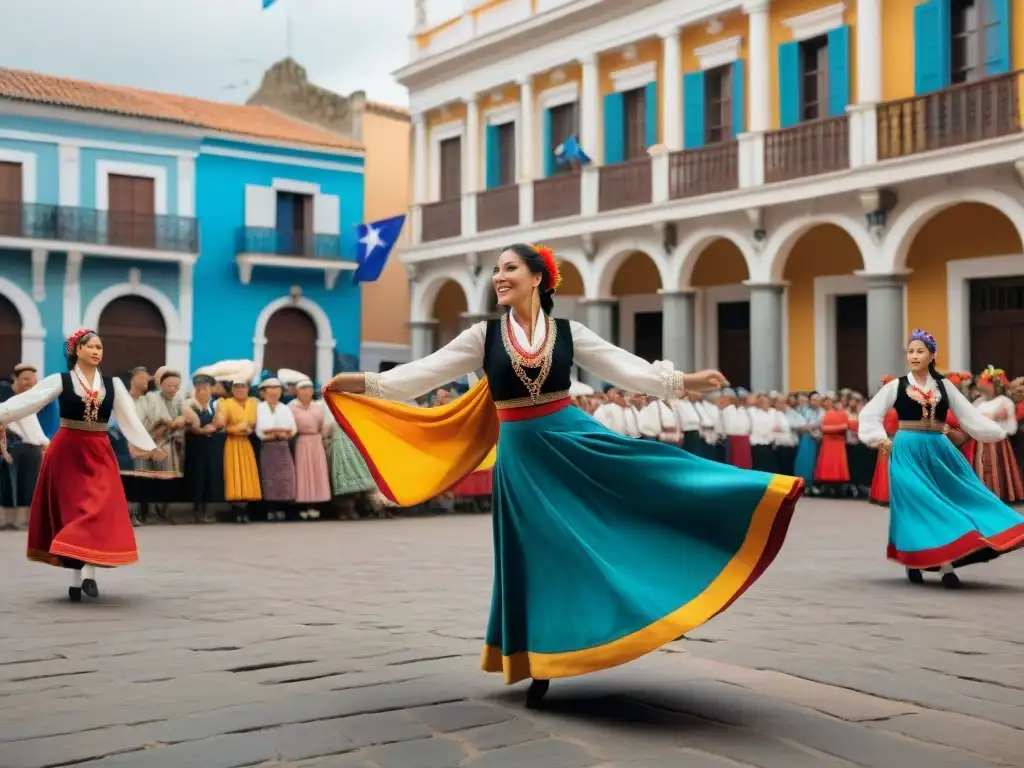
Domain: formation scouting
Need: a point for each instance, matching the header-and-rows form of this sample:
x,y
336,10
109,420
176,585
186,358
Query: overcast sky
x,y
215,49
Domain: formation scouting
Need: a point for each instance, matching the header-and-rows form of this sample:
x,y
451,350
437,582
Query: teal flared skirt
x,y
607,547
940,513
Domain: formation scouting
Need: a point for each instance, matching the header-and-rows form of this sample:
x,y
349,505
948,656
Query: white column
x,y
420,155
590,98
471,150
69,175
672,90
527,129
187,186
869,51
759,65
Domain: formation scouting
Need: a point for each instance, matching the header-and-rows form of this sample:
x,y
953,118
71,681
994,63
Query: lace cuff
x,y
673,381
371,384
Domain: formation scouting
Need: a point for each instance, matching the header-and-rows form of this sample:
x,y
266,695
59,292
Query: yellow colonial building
x,y
780,188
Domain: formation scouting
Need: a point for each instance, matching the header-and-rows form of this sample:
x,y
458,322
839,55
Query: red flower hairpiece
x,y
550,264
887,379
993,375
76,337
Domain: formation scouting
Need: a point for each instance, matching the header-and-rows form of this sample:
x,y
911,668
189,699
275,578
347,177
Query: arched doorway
x,y
10,337
291,342
638,327
827,306
719,274
133,333
449,307
957,253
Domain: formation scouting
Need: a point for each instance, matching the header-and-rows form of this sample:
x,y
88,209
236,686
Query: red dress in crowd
x,y
833,465
880,482
967,449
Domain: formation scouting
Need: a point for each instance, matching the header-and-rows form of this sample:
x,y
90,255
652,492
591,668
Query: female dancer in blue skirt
x,y
941,516
605,547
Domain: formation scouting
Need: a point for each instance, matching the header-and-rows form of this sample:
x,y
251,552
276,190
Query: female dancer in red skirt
x,y
79,517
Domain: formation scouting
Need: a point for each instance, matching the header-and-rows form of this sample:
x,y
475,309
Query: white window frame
x,y
443,132
719,53
631,78
815,23
568,93
29,164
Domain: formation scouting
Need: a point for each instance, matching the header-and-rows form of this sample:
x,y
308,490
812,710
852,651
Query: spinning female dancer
x,y
605,547
79,518
941,516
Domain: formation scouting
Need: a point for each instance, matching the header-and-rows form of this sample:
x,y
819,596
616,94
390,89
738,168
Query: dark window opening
x,y
294,224
814,78
451,168
718,104
635,102
507,153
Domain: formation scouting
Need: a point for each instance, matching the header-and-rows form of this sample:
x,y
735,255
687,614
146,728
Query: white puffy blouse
x,y
465,354
51,387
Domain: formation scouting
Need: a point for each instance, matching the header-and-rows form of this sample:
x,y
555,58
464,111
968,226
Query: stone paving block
x,y
552,753
233,751
505,734
757,749
991,740
72,747
308,740
460,715
381,728
423,753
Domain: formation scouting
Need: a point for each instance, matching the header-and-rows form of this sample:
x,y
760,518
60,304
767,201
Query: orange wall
x,y
636,276
805,263
733,25
448,308
897,49
965,231
721,263
572,281
387,193
646,51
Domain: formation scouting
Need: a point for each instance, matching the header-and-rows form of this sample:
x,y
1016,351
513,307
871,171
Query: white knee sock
x,y
89,572
947,568
76,579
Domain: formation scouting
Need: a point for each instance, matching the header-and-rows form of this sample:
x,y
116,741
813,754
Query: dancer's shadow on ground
x,y
932,583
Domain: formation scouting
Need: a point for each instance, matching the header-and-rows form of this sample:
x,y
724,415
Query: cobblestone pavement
x,y
356,645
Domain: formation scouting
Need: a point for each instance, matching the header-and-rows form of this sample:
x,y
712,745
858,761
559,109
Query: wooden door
x,y
10,199
851,342
451,168
636,123
734,342
997,324
291,342
10,337
507,150
133,333
647,335
131,218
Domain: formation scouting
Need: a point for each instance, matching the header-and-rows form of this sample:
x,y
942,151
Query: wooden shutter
x,y
838,72
693,110
507,153
131,206
133,333
614,130
451,168
10,199
636,120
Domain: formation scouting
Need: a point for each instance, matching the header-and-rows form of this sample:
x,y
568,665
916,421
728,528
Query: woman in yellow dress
x,y
241,474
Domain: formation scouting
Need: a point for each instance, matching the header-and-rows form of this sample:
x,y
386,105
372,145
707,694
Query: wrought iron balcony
x,y
267,241
123,229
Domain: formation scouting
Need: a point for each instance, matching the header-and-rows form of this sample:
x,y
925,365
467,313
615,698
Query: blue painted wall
x,y
17,267
226,311
99,273
46,165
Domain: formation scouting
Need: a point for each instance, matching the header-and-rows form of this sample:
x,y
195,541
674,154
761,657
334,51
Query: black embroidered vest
x,y
503,382
909,409
72,406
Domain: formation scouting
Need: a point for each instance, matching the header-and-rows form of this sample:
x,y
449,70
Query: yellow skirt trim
x,y
416,454
753,556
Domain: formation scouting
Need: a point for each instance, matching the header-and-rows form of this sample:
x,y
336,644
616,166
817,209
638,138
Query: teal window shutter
x,y
614,129
693,110
739,98
997,37
931,46
789,84
651,113
547,146
838,71
492,152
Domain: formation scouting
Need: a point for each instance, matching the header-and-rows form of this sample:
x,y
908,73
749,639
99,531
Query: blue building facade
x,y
182,243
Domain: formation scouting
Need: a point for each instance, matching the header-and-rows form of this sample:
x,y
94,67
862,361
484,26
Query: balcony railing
x,y
442,219
557,196
280,242
704,171
497,208
961,114
624,185
125,229
808,149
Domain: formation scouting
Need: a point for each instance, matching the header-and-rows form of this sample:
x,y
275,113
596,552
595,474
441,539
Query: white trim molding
x,y
186,177
373,353
266,157
638,76
818,22
76,141
33,333
106,168
295,187
450,130
826,349
69,170
567,93
959,274
508,113
719,53
178,340
29,180
324,335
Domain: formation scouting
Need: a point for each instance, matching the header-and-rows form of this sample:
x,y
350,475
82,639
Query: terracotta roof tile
x,y
257,122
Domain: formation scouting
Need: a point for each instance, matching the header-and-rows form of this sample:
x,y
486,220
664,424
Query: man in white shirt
x,y
658,421
631,415
26,443
690,424
609,413
762,436
711,430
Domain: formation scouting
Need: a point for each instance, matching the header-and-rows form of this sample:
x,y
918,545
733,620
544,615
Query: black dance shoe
x,y
915,576
75,594
535,695
950,580
90,588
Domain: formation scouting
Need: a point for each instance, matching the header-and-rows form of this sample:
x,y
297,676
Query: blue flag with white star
x,y
376,240
268,3
570,151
